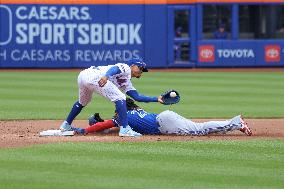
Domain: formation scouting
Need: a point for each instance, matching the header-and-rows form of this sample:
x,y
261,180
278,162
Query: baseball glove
x,y
170,97
95,118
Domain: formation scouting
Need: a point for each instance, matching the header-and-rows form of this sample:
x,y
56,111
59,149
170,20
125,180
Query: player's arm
x,y
98,126
112,71
142,98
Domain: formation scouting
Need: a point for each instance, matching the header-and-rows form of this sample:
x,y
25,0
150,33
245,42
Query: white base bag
x,y
56,133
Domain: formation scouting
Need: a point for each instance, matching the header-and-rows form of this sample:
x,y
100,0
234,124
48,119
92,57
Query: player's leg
x,y
236,123
85,96
111,92
219,126
172,123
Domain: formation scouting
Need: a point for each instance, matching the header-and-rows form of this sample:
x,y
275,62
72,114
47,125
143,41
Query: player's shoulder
x,y
123,67
122,64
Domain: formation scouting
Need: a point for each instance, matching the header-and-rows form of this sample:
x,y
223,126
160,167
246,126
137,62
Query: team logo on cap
x,y
142,64
138,62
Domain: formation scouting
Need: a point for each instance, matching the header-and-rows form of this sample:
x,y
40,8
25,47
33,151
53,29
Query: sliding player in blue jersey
x,y
167,122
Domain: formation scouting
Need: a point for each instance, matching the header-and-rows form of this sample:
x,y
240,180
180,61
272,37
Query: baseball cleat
x,y
245,129
65,126
79,131
128,132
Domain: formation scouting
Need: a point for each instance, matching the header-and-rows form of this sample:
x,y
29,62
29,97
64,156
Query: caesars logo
x,y
206,53
272,53
5,28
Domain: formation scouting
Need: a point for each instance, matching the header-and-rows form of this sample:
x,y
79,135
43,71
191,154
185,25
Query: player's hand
x,y
103,81
160,99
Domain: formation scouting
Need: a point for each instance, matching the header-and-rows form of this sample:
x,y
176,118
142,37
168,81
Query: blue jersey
x,y
143,122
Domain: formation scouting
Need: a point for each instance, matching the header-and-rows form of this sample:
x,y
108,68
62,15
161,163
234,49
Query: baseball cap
x,y
138,62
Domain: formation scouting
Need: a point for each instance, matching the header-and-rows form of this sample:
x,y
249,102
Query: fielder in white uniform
x,y
112,82
168,122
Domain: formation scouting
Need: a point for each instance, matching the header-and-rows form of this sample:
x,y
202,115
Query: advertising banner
x,y
69,35
240,53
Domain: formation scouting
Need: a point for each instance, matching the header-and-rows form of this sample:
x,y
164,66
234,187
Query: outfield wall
x,y
85,33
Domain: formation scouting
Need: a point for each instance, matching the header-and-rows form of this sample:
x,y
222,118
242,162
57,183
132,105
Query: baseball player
x,y
112,82
168,122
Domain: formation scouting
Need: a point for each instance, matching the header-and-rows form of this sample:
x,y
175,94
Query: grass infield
x,y
252,164
50,95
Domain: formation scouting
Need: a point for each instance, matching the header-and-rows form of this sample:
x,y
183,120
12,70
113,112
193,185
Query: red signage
x,y
206,53
272,53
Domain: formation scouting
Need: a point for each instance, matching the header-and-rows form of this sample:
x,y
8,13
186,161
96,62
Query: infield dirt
x,y
26,133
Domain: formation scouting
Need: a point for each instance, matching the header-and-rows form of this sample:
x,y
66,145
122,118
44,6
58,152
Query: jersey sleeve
x,y
124,68
141,98
126,72
113,71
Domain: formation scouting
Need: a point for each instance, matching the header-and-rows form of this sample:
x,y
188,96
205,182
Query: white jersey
x,y
122,80
113,90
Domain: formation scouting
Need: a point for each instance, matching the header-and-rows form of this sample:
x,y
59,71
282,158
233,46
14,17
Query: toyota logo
x,y
272,53
206,53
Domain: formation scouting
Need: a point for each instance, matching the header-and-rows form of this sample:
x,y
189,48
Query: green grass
x,y
50,95
253,164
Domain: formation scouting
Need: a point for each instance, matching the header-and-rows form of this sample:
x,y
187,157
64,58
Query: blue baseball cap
x,y
138,62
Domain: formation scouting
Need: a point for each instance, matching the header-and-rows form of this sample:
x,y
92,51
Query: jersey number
x,y
142,114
